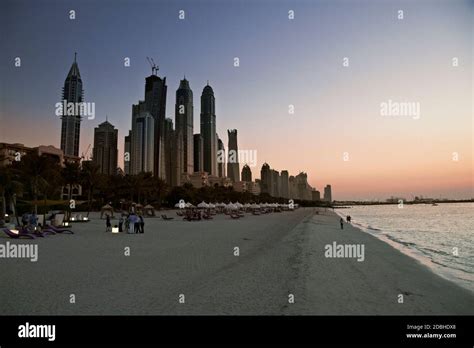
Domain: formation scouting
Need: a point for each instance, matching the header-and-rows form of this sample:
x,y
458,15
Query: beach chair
x,y
18,235
55,229
165,217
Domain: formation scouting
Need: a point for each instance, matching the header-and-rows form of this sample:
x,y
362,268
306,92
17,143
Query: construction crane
x,y
154,67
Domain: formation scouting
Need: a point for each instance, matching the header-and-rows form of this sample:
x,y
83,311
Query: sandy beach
x,y
279,254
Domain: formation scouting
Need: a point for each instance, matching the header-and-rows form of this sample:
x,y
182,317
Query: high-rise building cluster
x,y
280,184
173,152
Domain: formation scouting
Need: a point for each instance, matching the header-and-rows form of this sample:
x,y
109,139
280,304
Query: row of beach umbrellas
x,y
232,206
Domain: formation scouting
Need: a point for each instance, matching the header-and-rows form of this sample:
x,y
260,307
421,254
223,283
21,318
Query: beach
x,y
279,256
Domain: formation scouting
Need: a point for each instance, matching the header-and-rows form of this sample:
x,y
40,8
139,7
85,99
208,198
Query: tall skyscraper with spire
x,y
184,125
233,167
71,124
208,130
155,103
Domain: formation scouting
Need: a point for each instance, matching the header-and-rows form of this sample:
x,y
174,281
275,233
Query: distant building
x,y
316,196
221,158
255,187
10,153
328,193
208,130
292,190
233,167
302,186
284,179
266,179
198,153
199,179
241,186
71,124
143,140
104,153
275,192
184,124
246,173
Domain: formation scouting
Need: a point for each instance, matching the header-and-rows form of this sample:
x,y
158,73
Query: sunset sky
x,y
282,62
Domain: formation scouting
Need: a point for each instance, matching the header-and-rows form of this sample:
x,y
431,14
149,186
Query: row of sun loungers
x,y
33,233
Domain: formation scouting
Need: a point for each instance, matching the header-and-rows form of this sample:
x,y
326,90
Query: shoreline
x,y
280,254
441,270
373,286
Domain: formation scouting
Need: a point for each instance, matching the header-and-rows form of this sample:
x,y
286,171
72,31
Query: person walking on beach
x,y
142,224
108,225
342,223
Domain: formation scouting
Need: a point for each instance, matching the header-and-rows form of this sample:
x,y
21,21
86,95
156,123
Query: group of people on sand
x,y
128,223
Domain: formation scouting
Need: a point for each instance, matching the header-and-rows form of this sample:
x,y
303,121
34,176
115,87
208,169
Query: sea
x,y
440,236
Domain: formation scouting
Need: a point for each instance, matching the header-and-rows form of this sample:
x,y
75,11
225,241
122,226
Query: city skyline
x,y
377,168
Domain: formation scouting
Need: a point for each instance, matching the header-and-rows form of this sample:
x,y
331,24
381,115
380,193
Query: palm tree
x,y
9,187
89,178
34,171
70,174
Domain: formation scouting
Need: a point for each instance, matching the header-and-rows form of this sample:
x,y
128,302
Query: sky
x,y
337,133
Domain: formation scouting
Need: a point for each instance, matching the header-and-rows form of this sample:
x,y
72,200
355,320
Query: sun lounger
x,y
165,217
18,235
56,229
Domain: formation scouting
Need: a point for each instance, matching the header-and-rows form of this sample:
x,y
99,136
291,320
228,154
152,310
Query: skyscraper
x,y
173,153
184,124
233,166
71,124
266,179
104,153
143,140
302,186
208,130
285,192
198,153
220,158
246,173
328,193
316,196
155,104
275,191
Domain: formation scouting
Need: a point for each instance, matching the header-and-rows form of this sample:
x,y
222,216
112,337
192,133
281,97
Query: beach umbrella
x,y
203,205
